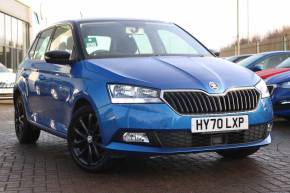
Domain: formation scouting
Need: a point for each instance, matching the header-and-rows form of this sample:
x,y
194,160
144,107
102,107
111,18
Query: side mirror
x,y
258,67
58,57
10,70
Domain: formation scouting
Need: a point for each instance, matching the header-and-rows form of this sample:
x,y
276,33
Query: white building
x,y
17,23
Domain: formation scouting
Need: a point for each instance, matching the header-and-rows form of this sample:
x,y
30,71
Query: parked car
x,y
7,80
264,60
139,87
283,67
236,59
279,87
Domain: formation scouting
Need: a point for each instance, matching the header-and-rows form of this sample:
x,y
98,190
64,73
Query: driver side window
x,y
62,39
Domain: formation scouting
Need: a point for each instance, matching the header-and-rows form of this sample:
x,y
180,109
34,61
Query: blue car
x,y
265,60
136,87
279,88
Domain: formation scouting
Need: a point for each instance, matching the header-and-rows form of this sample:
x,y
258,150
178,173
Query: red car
x,y
283,67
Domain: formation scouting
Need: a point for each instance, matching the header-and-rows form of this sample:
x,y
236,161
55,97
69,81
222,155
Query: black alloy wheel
x,y
85,142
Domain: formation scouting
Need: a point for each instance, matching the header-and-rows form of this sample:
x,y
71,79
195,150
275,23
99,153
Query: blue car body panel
x,y
280,96
88,80
51,92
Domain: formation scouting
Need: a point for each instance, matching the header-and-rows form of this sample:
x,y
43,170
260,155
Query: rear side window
x,y
42,44
62,39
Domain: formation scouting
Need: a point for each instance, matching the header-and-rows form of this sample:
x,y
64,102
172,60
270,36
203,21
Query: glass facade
x,y
14,40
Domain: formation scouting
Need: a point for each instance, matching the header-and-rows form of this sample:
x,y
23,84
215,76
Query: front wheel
x,y
85,142
236,154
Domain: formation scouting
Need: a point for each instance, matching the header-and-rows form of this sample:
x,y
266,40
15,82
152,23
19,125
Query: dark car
x,y
265,60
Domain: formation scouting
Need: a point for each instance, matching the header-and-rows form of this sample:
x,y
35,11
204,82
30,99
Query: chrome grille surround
x,y
195,102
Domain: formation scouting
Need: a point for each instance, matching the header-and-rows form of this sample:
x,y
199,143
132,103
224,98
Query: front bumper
x,y
160,118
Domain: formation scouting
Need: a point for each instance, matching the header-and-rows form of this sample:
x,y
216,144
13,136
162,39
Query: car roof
x,y
77,21
275,52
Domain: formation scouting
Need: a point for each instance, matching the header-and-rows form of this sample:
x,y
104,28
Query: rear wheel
x,y
85,142
235,154
25,132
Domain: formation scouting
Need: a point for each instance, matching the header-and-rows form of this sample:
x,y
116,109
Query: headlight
x,y
285,85
133,94
262,87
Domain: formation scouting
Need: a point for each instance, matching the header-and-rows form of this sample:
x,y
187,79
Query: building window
x,y
14,40
2,29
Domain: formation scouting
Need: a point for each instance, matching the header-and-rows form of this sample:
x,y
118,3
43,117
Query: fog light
x,y
269,127
135,137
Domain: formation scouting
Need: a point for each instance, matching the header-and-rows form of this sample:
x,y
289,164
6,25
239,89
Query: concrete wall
x,y
16,9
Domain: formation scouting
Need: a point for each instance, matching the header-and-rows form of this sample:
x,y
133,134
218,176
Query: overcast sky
x,y
213,22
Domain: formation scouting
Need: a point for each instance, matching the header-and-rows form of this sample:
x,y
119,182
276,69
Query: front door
x,y
57,82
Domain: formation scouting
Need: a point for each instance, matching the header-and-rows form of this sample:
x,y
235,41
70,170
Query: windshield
x,y
135,38
3,68
248,61
285,64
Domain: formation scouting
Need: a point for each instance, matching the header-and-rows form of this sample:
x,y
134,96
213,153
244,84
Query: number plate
x,y
217,124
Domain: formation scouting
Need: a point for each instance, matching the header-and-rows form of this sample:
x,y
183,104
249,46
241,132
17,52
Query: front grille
x,y
187,139
198,102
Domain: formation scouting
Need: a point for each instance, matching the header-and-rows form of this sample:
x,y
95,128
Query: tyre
x,y
85,141
236,154
25,132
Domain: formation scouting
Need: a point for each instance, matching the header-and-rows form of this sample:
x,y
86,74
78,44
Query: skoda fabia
x,y
116,87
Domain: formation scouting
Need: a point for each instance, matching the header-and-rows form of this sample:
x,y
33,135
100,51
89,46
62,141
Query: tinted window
x,y
284,64
62,39
133,38
273,61
42,44
250,60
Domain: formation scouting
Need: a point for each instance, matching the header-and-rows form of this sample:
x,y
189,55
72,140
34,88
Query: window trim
x,y
32,45
37,39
